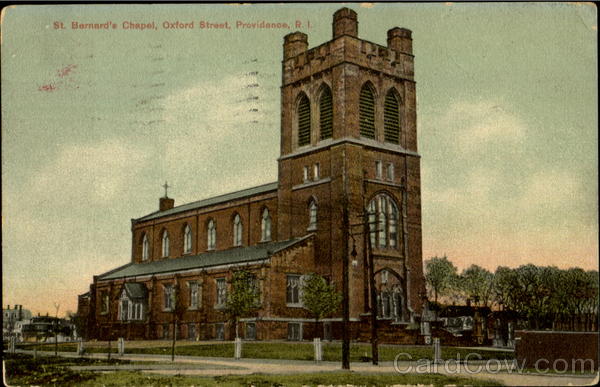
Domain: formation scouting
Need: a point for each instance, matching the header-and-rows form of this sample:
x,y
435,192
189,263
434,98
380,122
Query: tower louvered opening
x,y
367,113
391,119
304,121
326,114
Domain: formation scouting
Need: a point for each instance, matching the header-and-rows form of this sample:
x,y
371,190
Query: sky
x,y
95,121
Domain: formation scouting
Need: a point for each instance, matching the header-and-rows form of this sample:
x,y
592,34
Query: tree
x,y
439,275
582,294
244,298
477,282
178,310
319,297
504,286
79,322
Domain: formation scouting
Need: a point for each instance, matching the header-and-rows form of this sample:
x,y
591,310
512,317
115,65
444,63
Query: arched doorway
x,y
391,300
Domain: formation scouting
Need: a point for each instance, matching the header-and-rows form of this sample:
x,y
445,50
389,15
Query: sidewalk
x,y
213,366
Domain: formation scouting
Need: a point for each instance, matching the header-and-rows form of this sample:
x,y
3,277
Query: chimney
x,y
20,313
400,39
294,44
345,22
166,203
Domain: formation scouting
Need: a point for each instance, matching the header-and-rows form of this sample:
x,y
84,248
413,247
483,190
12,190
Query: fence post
x,y
80,347
12,342
318,349
437,351
426,332
238,348
121,346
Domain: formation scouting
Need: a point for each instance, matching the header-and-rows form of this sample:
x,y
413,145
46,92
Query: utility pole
x,y
57,306
175,305
373,293
345,289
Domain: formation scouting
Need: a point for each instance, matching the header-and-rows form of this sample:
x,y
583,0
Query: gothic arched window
x,y
391,118
145,248
383,222
187,239
326,113
165,244
367,112
303,121
265,225
237,230
312,215
211,235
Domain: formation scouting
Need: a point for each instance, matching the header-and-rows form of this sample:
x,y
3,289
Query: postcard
x,y
391,188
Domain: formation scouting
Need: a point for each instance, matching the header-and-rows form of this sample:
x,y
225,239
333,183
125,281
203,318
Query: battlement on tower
x,y
395,59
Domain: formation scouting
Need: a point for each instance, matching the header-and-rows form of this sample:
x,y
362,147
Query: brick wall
x,y
557,350
250,211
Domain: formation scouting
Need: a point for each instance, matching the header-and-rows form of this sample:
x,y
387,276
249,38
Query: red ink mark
x,y
66,70
62,83
49,87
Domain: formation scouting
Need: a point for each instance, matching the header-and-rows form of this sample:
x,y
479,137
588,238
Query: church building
x,y
348,184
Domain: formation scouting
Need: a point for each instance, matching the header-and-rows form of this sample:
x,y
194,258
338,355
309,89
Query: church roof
x,y
212,201
135,290
205,260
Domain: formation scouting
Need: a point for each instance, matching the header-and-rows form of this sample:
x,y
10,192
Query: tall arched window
x,y
383,222
265,225
326,113
165,244
211,235
145,248
367,112
303,121
312,215
187,239
237,230
391,118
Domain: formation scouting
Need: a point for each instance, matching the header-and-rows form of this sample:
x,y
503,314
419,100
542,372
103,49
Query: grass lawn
x,y
292,351
297,380
50,371
25,370
553,372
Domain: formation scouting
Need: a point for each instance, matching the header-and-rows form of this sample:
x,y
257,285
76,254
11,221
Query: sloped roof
x,y
135,290
212,201
205,260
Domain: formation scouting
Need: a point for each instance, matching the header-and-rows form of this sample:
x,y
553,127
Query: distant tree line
x,y
543,297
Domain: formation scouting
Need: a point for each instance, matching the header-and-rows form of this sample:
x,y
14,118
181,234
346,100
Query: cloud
x,y
477,124
95,173
59,225
490,196
550,189
212,127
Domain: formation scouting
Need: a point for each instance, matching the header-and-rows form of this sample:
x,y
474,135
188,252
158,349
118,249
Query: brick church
x,y
348,183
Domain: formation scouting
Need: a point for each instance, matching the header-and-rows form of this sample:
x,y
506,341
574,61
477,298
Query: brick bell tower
x,y
349,139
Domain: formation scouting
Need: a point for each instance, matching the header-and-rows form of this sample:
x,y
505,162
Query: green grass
x,y
124,378
50,371
552,372
25,370
297,351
